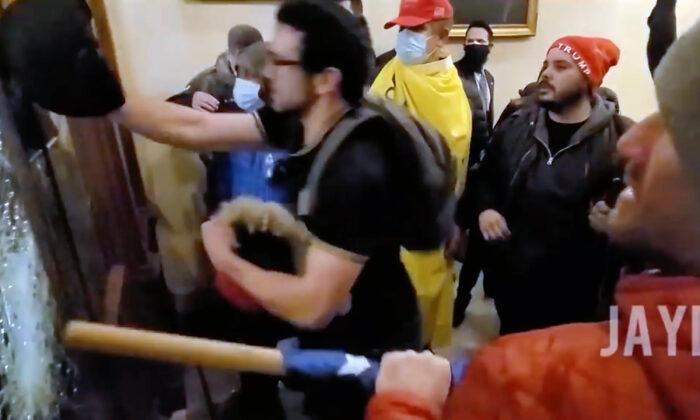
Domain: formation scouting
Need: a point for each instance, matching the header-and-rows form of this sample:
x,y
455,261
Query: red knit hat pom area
x,y
593,56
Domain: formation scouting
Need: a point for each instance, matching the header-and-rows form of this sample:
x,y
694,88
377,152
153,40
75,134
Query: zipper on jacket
x,y
552,157
549,152
562,151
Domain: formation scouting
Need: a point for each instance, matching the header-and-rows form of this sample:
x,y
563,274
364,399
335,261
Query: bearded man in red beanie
x,y
544,168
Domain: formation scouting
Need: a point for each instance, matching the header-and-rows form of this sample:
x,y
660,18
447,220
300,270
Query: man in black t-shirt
x,y
354,293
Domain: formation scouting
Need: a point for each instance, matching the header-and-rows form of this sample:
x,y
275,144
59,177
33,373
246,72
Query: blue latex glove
x,y
325,364
458,368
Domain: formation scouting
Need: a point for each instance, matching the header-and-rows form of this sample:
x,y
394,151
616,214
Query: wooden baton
x,y
173,348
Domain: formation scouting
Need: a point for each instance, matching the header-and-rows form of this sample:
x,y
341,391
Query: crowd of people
x,y
397,167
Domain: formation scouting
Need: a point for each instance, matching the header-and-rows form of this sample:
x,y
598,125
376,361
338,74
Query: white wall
x,y
162,43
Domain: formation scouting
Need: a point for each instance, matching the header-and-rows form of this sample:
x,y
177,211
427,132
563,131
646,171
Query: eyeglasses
x,y
477,42
282,62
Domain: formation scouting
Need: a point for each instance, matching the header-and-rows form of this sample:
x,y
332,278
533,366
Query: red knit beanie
x,y
593,56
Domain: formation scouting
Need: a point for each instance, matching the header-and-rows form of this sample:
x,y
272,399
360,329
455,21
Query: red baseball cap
x,y
418,12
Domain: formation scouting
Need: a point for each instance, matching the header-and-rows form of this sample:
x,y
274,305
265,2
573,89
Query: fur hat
x,y
268,236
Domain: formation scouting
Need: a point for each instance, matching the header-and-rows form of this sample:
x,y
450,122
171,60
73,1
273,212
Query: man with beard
x,y
478,85
590,371
544,167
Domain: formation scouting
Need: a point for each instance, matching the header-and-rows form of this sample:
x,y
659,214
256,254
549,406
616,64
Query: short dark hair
x,y
241,36
483,25
333,37
251,60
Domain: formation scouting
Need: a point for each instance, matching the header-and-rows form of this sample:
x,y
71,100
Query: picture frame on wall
x,y
509,18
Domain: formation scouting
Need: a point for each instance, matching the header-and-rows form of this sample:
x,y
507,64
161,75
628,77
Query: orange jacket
x,y
559,373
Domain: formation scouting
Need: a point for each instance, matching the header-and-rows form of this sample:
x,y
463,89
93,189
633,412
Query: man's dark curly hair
x,y
333,37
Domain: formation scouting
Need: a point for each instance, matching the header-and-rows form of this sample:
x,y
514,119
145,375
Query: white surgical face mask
x,y
411,47
246,93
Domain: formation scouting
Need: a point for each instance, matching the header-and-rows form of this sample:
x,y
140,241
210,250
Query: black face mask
x,y
475,56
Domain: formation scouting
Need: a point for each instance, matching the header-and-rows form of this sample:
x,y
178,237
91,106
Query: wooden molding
x,y
99,151
103,32
113,294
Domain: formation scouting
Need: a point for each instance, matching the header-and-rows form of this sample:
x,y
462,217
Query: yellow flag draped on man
x,y
425,81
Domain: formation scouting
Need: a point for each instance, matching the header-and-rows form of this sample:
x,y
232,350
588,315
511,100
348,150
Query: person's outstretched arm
x,y
187,128
662,31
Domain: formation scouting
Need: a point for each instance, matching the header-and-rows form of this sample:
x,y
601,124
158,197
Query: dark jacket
x,y
518,151
379,62
482,129
482,120
546,200
217,81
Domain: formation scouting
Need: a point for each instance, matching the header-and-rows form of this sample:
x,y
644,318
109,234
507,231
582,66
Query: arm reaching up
x,y
662,31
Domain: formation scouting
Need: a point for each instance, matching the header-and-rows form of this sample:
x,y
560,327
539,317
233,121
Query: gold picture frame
x,y
503,30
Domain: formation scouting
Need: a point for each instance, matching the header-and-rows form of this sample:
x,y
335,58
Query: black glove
x,y
47,49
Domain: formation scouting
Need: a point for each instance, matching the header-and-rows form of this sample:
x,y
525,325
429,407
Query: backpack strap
x,y
306,201
432,158
431,147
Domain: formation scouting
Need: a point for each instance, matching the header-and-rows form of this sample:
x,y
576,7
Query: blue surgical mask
x,y
411,47
247,95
